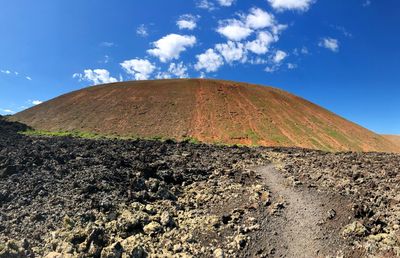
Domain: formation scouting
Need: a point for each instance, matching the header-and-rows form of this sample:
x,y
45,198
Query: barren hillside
x,y
211,111
393,138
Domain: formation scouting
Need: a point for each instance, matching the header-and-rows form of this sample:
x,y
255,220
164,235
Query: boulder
x,y
152,228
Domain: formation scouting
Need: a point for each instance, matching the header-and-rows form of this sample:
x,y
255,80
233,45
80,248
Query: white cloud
x,y
170,46
366,3
258,60
232,51
7,111
291,66
278,28
107,44
97,76
179,70
226,2
276,60
255,20
270,69
300,5
261,44
36,102
279,56
343,30
141,30
105,60
205,4
298,51
8,72
259,19
163,75
187,21
175,70
234,29
210,61
329,43
140,69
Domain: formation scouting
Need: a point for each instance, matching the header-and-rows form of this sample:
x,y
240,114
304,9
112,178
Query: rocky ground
x,y
370,182
72,197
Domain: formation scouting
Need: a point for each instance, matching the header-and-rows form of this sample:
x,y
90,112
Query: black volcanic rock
x,y
54,184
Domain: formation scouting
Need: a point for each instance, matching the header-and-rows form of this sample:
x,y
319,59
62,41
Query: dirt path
x,y
302,227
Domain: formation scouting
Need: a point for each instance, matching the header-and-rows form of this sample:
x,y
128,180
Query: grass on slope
x,y
88,135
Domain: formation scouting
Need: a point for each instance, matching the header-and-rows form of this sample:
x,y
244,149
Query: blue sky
x,y
343,55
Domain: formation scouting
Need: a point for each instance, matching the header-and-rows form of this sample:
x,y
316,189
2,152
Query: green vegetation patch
x,y
192,140
320,146
342,138
86,135
279,138
253,136
89,135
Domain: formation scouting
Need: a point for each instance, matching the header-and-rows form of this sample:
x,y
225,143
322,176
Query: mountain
x,y
212,111
393,138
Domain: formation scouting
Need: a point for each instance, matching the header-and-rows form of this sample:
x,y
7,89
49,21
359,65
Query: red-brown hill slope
x,y
393,138
207,110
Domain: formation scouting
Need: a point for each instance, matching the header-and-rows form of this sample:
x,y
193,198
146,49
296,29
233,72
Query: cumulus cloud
x,y
261,44
141,30
226,2
342,30
179,70
5,71
259,19
107,44
278,28
163,75
209,61
6,111
304,51
329,43
105,60
256,20
187,21
8,72
232,51
205,4
96,76
300,51
366,3
170,46
279,56
276,60
270,69
140,69
291,66
234,29
36,102
175,70
236,49
299,5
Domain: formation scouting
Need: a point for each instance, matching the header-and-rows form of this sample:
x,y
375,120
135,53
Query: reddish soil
x,y
393,138
211,111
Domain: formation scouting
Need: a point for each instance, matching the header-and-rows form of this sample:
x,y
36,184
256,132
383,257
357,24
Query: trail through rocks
x,y
299,227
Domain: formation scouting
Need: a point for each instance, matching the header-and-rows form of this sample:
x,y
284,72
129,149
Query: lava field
x,y
74,197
